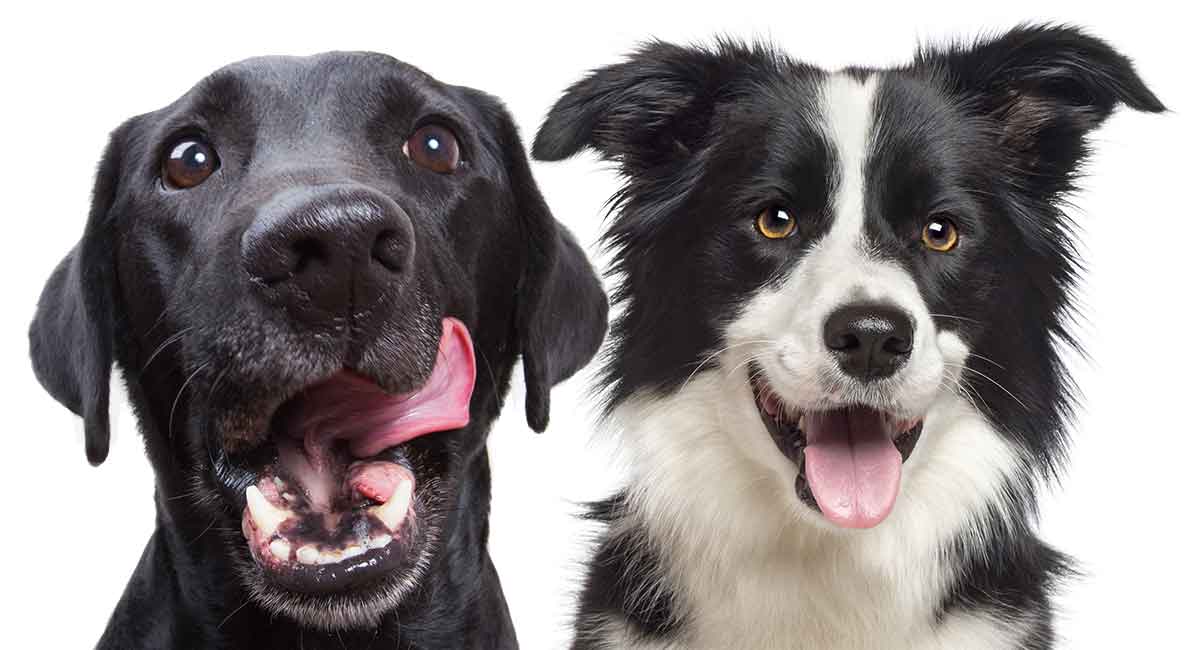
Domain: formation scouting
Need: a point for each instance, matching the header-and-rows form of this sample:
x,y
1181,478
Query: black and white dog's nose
x,y
869,340
329,249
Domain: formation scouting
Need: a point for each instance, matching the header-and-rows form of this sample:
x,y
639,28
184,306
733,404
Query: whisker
x,y
950,316
700,366
178,396
994,382
983,358
163,346
239,608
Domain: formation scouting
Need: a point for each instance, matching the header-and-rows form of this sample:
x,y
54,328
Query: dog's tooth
x,y
331,557
354,550
379,541
308,554
267,517
395,509
281,549
279,485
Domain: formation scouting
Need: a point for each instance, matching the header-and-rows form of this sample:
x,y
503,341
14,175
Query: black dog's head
x,y
865,254
298,267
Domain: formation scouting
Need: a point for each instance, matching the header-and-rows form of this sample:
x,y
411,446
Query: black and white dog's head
x,y
298,266
848,264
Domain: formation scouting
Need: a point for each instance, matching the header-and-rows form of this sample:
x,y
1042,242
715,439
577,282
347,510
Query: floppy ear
x,y
651,110
71,337
1047,86
562,310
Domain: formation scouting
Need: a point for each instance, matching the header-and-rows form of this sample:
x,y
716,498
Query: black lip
x,y
363,572
790,438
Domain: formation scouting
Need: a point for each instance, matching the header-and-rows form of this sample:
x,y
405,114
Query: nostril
x,y
898,345
306,251
843,342
391,250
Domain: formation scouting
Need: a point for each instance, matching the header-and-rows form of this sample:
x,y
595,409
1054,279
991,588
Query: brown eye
x,y
775,223
940,234
433,147
189,162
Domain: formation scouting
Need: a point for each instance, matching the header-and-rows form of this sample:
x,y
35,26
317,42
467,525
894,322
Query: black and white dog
x,y
835,371
299,266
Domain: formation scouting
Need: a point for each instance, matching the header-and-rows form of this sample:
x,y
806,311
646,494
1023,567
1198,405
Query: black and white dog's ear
x,y
1047,86
648,111
71,337
562,311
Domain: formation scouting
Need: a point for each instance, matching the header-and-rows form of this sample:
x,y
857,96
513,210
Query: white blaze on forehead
x,y
848,115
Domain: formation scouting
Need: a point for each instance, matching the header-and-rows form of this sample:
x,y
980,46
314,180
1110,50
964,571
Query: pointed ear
x,y
651,110
71,337
1047,87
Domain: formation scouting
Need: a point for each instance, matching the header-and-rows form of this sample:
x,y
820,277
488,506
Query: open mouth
x,y
849,458
332,505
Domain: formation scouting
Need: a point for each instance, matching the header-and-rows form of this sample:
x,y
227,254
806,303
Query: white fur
x,y
750,564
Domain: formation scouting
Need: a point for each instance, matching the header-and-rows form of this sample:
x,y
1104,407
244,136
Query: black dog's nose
x,y
870,341
330,253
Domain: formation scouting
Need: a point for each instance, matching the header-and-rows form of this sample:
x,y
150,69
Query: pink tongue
x,y
852,466
351,408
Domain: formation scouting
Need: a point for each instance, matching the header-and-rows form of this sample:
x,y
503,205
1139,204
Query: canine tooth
x,y
331,557
278,483
395,509
379,541
308,554
353,551
281,549
288,496
266,517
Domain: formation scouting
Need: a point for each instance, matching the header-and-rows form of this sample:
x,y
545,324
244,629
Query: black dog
x,y
297,266
836,371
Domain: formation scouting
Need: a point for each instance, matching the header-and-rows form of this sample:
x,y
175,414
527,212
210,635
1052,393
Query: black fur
x,y
157,284
993,132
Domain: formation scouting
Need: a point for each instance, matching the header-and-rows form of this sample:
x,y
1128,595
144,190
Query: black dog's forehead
x,y
318,94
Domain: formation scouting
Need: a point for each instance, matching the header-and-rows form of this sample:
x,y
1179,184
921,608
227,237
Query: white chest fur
x,y
753,567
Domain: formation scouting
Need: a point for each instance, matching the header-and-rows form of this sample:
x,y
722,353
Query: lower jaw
x,y
344,545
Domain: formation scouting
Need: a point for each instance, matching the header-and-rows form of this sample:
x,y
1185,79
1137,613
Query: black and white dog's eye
x,y
940,234
433,147
775,223
189,162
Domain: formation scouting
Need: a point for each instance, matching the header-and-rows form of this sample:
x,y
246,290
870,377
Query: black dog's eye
x,y
940,234
775,223
433,147
189,162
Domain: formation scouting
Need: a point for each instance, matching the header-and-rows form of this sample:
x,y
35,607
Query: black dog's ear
x,y
1047,86
563,314
562,310
71,337
650,110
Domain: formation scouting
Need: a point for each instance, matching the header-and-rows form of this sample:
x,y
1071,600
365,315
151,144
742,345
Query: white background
x,y
1127,509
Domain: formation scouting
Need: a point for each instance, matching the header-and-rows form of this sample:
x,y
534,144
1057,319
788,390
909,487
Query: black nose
x,y
870,341
331,253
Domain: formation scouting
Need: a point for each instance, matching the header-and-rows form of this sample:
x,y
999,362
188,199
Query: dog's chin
x,y
848,457
361,606
339,506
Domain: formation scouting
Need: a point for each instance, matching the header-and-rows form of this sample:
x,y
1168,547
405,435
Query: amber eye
x,y
775,223
433,147
189,162
940,234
